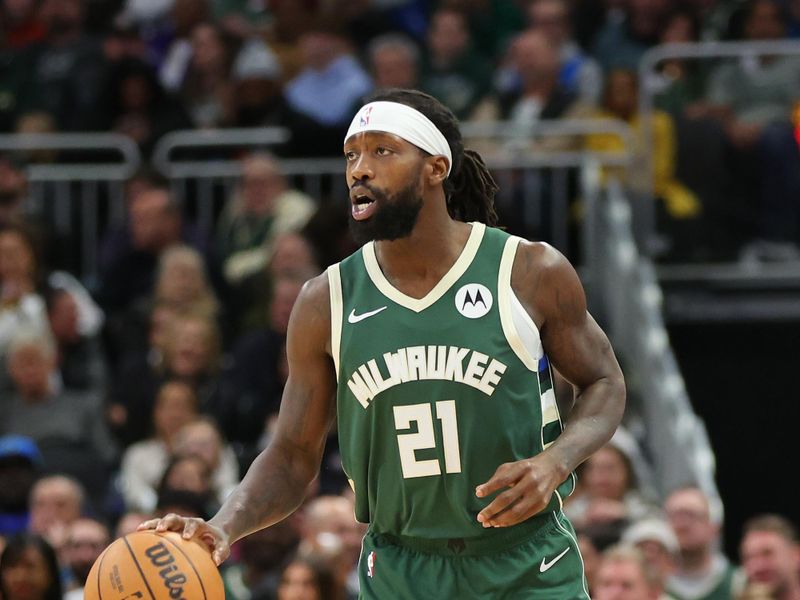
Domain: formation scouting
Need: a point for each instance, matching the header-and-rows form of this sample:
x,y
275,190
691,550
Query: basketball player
x,y
437,340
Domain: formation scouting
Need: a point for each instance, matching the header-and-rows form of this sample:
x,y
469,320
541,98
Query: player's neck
x,y
419,261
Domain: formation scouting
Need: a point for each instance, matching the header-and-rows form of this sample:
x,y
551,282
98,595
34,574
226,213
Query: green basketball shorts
x,y
545,565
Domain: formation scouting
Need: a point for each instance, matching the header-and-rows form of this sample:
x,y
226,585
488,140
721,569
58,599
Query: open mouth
x,y
362,205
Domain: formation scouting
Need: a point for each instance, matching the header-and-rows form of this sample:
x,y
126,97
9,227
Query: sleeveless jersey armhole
x,y
523,336
337,308
519,329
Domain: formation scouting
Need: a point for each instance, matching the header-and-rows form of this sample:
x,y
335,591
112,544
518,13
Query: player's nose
x,y
361,169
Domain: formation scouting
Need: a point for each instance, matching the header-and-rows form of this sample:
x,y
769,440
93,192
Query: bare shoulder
x,y
315,295
546,282
311,315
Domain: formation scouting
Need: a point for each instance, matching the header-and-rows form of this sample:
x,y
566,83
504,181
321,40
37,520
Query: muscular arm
x,y
277,480
549,289
577,347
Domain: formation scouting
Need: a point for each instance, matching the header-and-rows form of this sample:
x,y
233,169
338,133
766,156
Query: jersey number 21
x,y
424,438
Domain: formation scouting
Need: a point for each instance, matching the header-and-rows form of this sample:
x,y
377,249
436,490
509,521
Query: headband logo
x,y
364,120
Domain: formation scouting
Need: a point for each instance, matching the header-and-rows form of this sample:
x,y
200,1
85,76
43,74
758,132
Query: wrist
x,y
561,464
223,524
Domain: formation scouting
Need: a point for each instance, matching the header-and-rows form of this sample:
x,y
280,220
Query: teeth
x,y
362,206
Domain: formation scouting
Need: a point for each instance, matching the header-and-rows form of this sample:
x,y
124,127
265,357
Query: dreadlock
x,y
470,189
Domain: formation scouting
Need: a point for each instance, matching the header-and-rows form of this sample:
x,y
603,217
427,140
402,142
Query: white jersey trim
x,y
445,283
337,313
519,329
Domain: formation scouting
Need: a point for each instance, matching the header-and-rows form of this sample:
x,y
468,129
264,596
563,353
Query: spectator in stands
x,y
491,24
770,555
154,224
290,20
331,534
202,438
540,95
13,191
657,542
140,359
16,210
252,380
86,540
184,502
591,556
20,461
625,574
681,82
206,91
56,502
144,462
257,96
191,352
264,554
610,491
394,61
322,97
68,427
81,365
182,282
453,71
118,237
679,205
20,25
187,473
65,70
185,16
309,579
622,42
263,207
754,98
242,18
579,74
124,43
129,522
136,105
29,570
21,306
703,572
293,258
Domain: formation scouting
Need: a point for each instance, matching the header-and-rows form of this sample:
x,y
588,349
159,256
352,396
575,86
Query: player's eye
x,y
349,156
381,151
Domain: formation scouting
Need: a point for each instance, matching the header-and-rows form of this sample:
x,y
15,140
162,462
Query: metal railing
x,y
650,87
624,292
534,185
102,164
82,196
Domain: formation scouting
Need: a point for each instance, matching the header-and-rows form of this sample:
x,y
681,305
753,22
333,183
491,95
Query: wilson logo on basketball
x,y
173,579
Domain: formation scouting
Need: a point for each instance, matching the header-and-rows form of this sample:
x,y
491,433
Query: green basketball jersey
x,y
435,393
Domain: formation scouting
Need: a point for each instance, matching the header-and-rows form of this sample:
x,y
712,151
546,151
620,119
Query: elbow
x,y
617,395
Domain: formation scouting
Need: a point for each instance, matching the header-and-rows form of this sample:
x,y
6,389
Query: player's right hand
x,y
215,539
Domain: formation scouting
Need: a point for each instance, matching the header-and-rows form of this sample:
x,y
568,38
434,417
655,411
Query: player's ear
x,y
437,170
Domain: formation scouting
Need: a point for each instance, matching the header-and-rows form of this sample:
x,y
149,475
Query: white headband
x,y
405,122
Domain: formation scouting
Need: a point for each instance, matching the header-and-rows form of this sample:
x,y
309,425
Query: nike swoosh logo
x,y
545,566
354,318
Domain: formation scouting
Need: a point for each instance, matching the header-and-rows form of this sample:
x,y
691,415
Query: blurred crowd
x,y
722,141
152,389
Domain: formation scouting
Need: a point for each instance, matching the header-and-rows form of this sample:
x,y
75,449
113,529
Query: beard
x,y
393,219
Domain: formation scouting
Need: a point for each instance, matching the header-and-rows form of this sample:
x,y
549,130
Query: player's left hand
x,y
529,484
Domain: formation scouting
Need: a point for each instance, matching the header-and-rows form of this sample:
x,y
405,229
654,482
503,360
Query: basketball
x,y
154,566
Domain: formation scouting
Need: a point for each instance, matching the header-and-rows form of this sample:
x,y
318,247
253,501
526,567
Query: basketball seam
x,y
191,564
99,571
139,567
